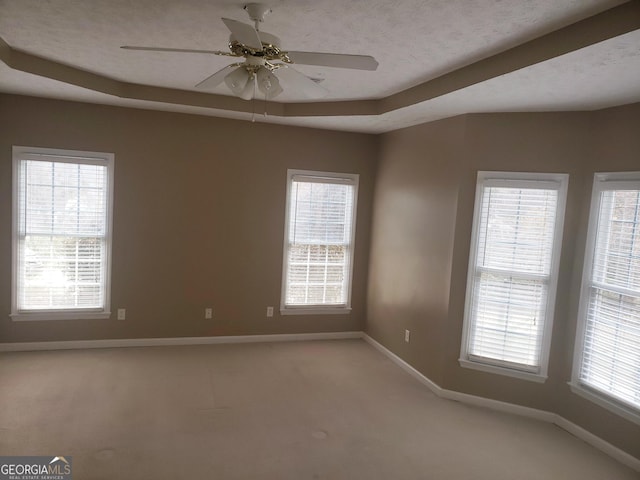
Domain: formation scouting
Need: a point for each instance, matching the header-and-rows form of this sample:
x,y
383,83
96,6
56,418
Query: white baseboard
x,y
155,342
597,442
430,384
543,415
520,410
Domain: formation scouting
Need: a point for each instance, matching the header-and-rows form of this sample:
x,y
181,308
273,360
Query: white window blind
x,y
609,351
512,272
319,239
61,238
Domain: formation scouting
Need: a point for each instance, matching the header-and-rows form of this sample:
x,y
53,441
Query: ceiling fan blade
x,y
180,50
297,81
244,33
216,79
357,62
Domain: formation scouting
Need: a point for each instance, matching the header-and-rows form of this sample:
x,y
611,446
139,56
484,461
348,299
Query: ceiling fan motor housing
x,y
270,48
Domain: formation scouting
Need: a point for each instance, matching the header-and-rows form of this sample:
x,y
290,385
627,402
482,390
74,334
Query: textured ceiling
x,y
414,42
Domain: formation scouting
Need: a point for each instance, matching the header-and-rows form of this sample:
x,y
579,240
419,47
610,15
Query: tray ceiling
x,y
437,58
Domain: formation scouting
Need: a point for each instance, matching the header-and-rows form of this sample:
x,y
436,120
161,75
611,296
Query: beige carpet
x,y
307,410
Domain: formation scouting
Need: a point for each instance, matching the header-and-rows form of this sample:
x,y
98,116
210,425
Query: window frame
x,y
60,156
328,177
602,181
556,181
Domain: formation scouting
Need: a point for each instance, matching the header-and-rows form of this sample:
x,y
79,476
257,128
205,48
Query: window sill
x,y
61,315
509,372
315,310
609,403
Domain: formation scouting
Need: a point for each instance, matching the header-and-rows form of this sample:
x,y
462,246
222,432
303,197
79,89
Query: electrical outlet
x,y
407,335
122,314
269,311
208,313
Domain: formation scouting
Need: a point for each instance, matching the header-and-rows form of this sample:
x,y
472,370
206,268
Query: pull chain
x,y
253,103
265,104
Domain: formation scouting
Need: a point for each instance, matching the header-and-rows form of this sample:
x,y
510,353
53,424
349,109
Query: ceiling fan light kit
x,y
268,83
265,63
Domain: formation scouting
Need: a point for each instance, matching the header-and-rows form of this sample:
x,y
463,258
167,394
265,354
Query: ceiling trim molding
x,y
609,24
606,25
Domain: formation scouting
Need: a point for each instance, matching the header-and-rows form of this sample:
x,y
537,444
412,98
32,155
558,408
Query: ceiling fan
x,y
265,63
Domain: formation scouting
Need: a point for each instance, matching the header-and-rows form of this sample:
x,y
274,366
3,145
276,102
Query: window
x,y
513,270
318,250
61,234
607,353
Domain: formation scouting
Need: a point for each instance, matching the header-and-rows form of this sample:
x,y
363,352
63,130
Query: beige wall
x,y
423,210
198,217
412,242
